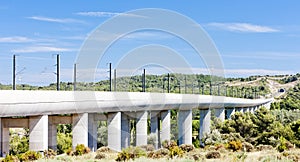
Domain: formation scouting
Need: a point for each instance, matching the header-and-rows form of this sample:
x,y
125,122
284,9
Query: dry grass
x,y
228,156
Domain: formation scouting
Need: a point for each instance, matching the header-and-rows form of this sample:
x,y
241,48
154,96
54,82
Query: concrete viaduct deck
x,y
40,111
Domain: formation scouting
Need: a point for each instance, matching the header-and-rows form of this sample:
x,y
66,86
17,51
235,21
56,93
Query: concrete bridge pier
x,y
252,110
141,128
92,132
205,116
239,110
165,133
5,141
246,109
220,113
118,131
125,131
154,127
230,112
80,129
185,126
38,133
52,134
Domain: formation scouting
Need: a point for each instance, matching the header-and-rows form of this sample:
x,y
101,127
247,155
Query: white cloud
x,y
34,49
244,27
55,20
105,14
15,39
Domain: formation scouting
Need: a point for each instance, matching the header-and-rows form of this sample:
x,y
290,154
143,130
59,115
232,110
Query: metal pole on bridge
x,y
14,72
110,83
57,73
144,81
115,80
168,82
74,82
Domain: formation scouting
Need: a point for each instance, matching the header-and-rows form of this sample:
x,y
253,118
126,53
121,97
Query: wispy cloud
x,y
243,27
15,39
34,49
55,20
251,72
105,14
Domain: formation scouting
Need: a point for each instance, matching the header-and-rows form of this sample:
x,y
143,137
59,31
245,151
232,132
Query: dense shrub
x,y
264,147
70,152
213,155
175,152
64,142
80,149
103,149
10,158
18,141
213,138
248,147
49,153
163,152
30,156
187,147
196,143
130,153
100,155
234,145
169,144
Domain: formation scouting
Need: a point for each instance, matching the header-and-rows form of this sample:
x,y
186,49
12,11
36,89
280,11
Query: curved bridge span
x,y
41,112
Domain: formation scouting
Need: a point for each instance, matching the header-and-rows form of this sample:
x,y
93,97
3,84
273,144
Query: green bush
x,y
175,152
30,156
235,145
64,142
80,149
18,144
10,158
196,143
70,152
282,145
130,153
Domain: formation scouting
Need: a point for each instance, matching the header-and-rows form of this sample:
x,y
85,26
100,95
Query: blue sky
x,y
253,37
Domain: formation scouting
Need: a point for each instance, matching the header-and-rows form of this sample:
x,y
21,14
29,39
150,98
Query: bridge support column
x,y
204,123
247,109
165,126
38,133
230,112
267,105
141,128
80,129
239,110
5,141
185,126
118,131
92,132
220,113
125,133
256,108
52,134
154,119
252,109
